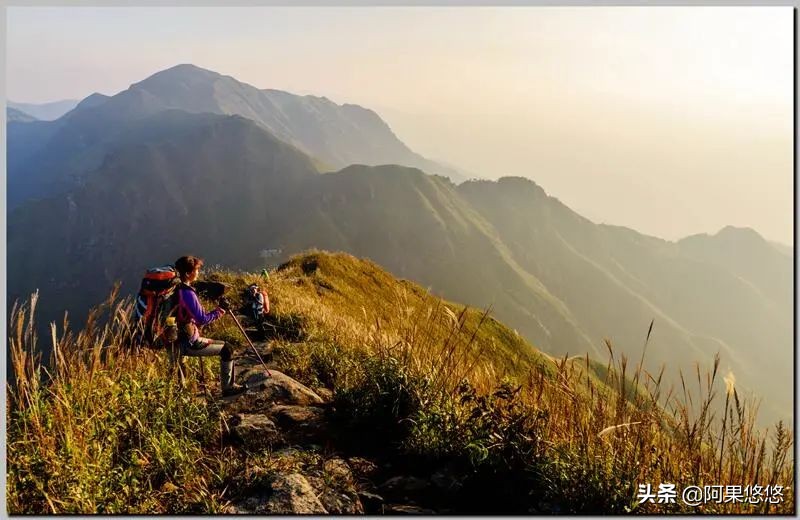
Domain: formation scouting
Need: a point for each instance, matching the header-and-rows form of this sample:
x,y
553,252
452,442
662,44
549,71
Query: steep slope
x,y
561,248
27,174
47,158
732,296
414,224
172,183
331,290
746,254
418,227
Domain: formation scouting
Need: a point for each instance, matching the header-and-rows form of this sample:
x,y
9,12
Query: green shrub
x,y
382,396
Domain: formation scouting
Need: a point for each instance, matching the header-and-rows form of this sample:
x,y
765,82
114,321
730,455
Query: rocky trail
x,y
342,472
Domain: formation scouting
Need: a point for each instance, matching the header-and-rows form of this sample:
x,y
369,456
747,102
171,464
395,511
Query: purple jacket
x,y
190,310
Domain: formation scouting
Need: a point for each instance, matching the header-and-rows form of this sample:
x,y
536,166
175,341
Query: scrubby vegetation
x,y
419,384
102,430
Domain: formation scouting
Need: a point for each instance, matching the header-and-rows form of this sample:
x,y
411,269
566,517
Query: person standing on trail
x,y
259,305
190,316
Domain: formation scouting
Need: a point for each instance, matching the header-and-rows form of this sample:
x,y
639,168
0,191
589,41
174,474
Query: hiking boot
x,y
234,390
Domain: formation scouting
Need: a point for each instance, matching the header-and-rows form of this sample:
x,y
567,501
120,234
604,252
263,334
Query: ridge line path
x,y
299,460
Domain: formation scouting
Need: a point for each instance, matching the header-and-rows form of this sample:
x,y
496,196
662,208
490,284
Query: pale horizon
x,y
671,121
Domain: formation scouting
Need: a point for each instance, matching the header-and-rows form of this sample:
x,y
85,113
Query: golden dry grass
x,y
592,432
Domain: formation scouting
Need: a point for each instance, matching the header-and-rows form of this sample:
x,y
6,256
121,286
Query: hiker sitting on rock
x,y
190,316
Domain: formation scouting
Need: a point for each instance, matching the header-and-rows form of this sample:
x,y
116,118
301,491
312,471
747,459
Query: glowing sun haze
x,y
669,120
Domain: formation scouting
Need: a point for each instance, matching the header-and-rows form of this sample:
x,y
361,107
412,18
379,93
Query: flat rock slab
x,y
293,415
280,388
292,494
302,423
255,431
337,498
253,377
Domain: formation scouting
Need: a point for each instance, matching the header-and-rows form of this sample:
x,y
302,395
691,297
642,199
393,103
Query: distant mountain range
x,y
18,116
140,178
51,158
45,111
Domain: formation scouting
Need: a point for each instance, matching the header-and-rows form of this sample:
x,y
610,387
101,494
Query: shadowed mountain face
x,y
337,135
173,183
51,157
138,185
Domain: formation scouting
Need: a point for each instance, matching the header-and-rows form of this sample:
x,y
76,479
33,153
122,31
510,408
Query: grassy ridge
x,y
102,430
438,384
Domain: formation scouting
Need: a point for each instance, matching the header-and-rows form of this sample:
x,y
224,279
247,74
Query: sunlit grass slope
x,y
436,385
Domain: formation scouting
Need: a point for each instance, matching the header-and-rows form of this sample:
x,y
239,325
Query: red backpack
x,y
154,302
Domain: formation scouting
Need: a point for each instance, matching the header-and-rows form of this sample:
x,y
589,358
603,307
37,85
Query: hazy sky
x,y
669,120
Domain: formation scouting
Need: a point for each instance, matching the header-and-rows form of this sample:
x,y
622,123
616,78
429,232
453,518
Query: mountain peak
x,y
93,100
521,185
185,73
186,69
742,233
730,235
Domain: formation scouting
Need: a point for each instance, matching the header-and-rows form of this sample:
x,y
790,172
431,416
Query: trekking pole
x,y
250,342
